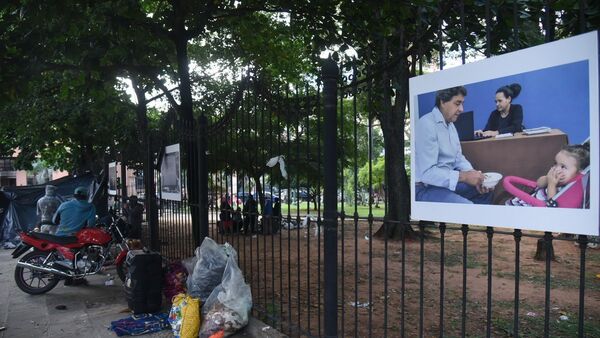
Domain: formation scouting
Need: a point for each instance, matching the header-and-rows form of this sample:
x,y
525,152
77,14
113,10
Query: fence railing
x,y
316,258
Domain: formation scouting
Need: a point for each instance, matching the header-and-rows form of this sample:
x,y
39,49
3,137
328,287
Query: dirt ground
x,y
379,295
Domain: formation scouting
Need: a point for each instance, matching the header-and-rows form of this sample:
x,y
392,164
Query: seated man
x,y
443,174
75,214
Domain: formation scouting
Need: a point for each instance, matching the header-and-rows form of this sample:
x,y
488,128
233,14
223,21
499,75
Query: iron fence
x,y
314,254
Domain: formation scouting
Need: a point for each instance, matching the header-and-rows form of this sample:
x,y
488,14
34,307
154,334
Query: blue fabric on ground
x,y
140,324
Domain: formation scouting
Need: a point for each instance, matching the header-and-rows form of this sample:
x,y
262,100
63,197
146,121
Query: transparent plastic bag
x,y
208,271
228,306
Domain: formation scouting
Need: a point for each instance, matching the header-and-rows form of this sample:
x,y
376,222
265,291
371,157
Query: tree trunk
x,y
149,189
187,117
393,120
541,252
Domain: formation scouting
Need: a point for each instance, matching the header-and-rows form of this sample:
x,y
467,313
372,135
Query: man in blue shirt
x,y
75,214
443,174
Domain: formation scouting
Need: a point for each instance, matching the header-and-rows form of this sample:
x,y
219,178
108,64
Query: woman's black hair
x,y
511,90
447,94
581,152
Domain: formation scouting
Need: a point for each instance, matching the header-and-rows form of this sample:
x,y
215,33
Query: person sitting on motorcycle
x,y
75,214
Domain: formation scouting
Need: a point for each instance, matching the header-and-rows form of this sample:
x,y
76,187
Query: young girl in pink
x,y
561,187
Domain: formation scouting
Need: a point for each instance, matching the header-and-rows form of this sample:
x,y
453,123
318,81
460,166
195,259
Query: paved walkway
x,y
89,309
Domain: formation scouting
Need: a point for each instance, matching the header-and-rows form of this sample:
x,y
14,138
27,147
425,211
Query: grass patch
x,y
590,280
534,327
363,210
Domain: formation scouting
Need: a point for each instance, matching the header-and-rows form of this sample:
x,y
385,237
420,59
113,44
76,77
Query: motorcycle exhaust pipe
x,y
45,269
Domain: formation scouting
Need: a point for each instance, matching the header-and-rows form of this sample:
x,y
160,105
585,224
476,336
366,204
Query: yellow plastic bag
x,y
184,316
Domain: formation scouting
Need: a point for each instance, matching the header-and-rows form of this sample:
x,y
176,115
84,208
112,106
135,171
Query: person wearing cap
x,y
46,207
75,214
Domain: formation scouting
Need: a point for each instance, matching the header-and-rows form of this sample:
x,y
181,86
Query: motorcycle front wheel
x,y
31,281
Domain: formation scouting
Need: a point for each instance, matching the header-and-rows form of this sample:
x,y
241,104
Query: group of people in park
x,y
246,220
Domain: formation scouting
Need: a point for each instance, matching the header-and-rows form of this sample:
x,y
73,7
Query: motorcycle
x,y
50,258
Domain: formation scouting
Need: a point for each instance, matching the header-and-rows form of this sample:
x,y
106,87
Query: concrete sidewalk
x,y
89,309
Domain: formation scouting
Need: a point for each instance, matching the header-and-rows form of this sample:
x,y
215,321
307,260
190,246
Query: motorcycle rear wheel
x,y
31,281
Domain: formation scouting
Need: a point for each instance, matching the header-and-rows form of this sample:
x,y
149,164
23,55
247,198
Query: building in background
x,y
10,177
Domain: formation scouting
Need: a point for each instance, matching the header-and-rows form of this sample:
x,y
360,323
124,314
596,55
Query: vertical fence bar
x,y
490,234
581,17
442,265
279,136
330,74
440,36
463,47
308,160
370,216
421,268
488,29
202,182
582,240
342,214
517,234
516,24
403,289
463,322
319,113
297,112
289,215
549,254
355,110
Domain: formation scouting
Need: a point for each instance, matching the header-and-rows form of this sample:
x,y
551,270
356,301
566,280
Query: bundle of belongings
x,y
140,324
215,285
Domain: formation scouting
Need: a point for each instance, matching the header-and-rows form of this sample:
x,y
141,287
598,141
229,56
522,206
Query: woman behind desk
x,y
508,117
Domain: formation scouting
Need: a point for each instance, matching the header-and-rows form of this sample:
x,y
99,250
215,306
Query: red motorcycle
x,y
52,258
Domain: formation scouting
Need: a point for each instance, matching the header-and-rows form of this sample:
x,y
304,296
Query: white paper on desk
x,y
538,130
504,135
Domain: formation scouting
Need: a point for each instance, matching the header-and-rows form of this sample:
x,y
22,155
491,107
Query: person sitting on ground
x,y
75,214
46,207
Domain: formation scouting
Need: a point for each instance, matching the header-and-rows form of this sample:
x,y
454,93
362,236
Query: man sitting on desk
x,y
443,174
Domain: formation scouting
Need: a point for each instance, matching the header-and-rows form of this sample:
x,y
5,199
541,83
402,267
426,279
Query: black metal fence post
x,y
330,77
202,182
150,195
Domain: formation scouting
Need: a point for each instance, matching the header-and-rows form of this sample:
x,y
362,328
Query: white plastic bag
x,y
208,271
228,306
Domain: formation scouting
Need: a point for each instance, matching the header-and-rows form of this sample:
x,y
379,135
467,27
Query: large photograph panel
x,y
510,141
170,174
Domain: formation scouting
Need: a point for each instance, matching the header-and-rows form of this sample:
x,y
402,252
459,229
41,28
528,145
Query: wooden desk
x,y
528,156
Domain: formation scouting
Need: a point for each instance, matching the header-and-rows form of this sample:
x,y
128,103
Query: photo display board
x,y
170,173
112,178
559,101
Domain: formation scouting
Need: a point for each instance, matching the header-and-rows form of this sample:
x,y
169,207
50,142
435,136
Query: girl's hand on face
x,y
553,176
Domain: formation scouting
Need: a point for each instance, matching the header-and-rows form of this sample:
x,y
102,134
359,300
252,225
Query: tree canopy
x,y
64,65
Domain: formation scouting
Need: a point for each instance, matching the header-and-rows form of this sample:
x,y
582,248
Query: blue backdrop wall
x,y
556,97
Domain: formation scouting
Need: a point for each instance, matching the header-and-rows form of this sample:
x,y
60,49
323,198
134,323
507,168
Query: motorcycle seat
x,y
53,238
